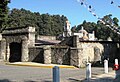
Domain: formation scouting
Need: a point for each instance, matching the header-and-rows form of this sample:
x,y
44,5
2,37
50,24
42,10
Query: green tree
x,y
73,29
45,29
20,18
115,21
88,26
57,24
3,13
104,31
45,24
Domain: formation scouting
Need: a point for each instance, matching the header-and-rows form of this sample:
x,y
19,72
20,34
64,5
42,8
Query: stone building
x,y
84,35
15,43
22,45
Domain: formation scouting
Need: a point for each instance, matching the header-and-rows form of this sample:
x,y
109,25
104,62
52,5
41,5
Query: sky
x,y
72,9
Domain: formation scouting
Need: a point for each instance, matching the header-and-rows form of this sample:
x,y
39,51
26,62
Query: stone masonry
x,y
18,45
25,36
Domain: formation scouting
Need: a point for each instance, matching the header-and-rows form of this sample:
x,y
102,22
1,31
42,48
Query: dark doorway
x,y
15,52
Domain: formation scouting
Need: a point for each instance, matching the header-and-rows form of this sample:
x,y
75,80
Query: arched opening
x,y
15,52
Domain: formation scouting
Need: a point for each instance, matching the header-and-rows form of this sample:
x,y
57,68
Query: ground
x,y
12,73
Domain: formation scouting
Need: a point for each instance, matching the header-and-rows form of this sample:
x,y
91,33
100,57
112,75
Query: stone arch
x,y
15,52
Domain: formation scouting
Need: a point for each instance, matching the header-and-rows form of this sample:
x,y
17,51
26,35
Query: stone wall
x,y
93,52
86,51
50,54
39,37
31,36
60,55
70,51
23,35
36,54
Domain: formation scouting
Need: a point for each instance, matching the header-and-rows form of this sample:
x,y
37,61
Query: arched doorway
x,y
15,52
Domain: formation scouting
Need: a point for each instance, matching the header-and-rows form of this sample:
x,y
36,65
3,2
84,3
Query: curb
x,y
30,64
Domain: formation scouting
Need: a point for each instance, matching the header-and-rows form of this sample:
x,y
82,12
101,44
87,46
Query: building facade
x,y
22,45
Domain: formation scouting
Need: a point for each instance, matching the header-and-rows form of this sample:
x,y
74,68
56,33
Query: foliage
x,y
3,13
104,32
101,30
45,24
20,18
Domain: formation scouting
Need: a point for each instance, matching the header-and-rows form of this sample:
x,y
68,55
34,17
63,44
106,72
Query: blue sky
x,y
75,13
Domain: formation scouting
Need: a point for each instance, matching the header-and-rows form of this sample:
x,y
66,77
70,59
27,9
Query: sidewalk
x,y
109,77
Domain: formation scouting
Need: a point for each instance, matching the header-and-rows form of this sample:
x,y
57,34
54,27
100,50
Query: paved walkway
x,y
109,77
96,77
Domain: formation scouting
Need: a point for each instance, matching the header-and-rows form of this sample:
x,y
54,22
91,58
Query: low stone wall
x,y
60,55
36,54
39,37
50,54
78,55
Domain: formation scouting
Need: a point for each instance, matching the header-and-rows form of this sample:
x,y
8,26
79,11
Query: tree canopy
x,y
101,30
3,13
45,24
